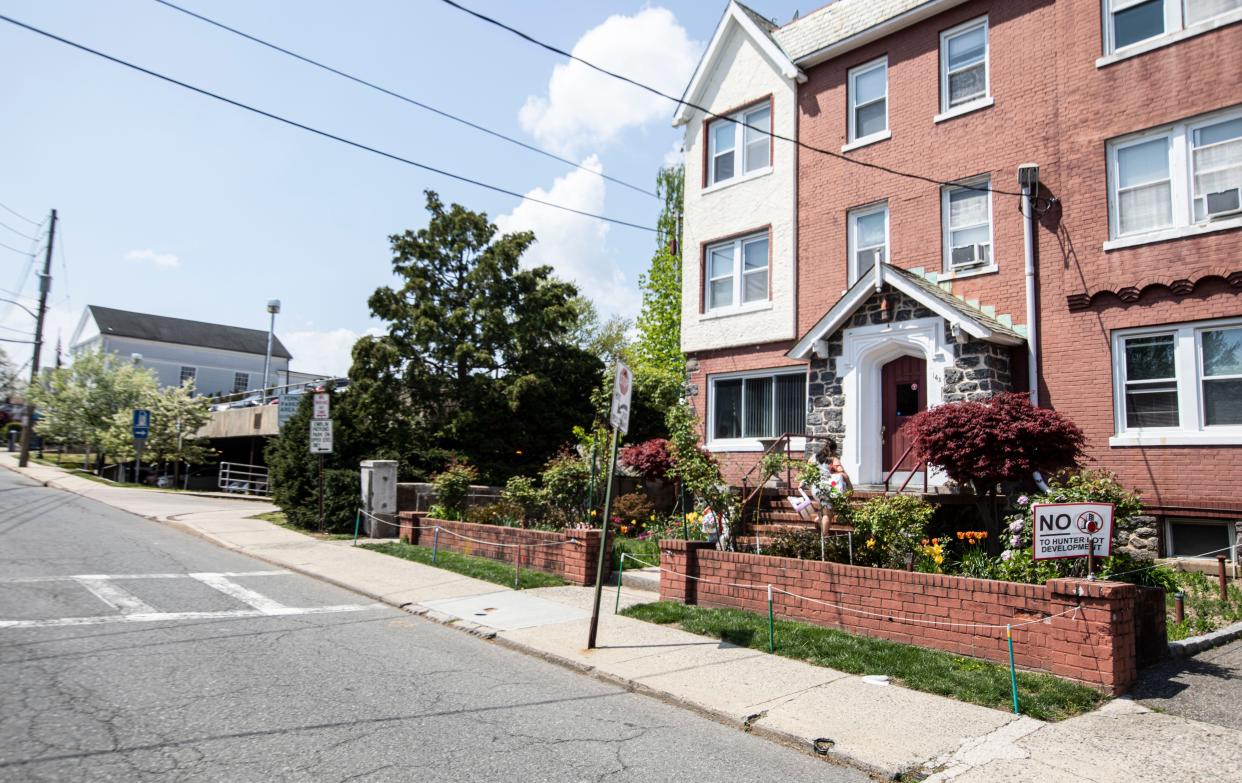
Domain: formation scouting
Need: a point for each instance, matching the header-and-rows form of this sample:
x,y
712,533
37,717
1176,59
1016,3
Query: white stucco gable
x,y
742,71
736,16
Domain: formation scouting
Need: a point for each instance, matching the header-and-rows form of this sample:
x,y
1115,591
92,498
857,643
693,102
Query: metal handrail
x,y
897,466
240,477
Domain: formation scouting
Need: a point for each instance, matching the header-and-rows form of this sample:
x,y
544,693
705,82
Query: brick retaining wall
x,y
575,562
1097,645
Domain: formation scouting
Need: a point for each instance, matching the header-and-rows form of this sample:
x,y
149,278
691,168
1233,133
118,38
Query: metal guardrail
x,y
246,479
268,394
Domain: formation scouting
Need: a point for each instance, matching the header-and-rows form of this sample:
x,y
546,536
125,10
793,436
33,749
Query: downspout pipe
x,y
1028,179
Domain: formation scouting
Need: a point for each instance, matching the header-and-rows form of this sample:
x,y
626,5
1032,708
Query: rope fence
x,y
770,590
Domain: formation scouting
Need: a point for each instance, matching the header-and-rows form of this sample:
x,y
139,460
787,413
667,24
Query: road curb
x,y
1197,644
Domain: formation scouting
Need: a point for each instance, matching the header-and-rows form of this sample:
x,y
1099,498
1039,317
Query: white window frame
x,y
738,120
1175,28
853,138
1232,534
738,274
237,375
712,443
1188,363
1181,174
985,99
852,237
946,232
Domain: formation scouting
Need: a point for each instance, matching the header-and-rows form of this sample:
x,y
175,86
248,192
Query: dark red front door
x,y
904,384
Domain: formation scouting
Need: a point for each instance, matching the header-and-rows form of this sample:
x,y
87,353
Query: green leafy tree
x,y
9,382
177,415
479,350
87,400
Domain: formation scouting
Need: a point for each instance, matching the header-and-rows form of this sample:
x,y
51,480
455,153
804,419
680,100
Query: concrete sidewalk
x,y
886,730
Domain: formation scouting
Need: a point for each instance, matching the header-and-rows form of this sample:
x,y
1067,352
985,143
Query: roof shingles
x,y
161,328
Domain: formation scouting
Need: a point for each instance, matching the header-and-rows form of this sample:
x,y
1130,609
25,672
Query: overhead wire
x,y
15,250
323,133
12,211
708,112
15,231
406,98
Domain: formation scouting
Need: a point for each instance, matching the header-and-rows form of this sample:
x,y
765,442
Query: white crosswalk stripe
x,y
130,608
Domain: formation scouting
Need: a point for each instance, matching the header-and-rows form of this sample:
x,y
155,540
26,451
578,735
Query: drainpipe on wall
x,y
1028,178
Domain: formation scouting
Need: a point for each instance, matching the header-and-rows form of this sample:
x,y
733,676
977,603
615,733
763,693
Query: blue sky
x,y
175,204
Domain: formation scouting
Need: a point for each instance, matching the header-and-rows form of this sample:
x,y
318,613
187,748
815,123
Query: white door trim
x,y
865,350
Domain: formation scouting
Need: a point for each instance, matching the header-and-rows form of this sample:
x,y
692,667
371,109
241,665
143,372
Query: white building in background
x,y
219,359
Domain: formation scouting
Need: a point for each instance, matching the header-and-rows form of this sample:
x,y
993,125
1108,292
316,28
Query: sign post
x,y
619,417
1073,530
141,431
320,439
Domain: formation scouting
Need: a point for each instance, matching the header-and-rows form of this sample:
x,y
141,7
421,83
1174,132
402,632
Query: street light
x,y
273,307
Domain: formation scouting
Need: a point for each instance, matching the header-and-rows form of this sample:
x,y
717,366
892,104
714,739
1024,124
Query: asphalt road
x,y
170,659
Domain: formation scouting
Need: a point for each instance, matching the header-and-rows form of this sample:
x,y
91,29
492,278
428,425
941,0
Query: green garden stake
x,y
357,523
435,543
517,569
771,624
620,574
1013,676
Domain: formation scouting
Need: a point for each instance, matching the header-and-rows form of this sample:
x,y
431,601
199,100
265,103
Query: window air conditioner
x,y
1224,202
969,256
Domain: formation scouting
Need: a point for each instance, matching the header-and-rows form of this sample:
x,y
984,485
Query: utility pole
x,y
45,283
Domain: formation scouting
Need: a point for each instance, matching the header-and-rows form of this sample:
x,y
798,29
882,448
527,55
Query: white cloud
x,y
584,108
675,156
571,244
323,352
149,256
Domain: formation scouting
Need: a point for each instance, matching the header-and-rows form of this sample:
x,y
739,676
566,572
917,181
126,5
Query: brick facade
x,y
575,562
1053,106
1098,644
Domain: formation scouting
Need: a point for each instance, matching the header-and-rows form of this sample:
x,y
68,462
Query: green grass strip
x,y
468,565
1043,696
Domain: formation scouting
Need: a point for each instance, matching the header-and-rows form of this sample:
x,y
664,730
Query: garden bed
x,y
1041,696
1204,611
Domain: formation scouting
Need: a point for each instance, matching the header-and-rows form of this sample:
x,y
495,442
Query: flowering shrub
x,y
889,529
651,458
631,512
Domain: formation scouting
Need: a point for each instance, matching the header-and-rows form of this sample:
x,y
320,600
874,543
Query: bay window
x,y
740,144
1179,384
1180,178
757,405
736,273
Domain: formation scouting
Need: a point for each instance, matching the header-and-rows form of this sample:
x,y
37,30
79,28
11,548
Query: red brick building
x,y
1123,119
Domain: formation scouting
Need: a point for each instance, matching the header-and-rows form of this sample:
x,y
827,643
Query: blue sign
x,y
142,423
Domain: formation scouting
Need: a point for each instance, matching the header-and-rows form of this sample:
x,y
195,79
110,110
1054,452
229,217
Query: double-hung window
x,y
757,405
188,375
1131,22
868,239
241,382
736,273
868,98
964,65
1182,175
740,144
967,218
1183,380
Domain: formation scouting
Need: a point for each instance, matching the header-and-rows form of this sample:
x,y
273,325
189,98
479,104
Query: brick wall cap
x,y
1092,589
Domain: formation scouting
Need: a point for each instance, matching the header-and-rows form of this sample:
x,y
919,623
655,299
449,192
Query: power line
x,y
407,99
15,250
20,234
680,102
12,211
23,342
323,133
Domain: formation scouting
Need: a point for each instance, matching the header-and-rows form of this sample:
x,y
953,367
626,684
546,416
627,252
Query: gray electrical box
x,y
379,498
